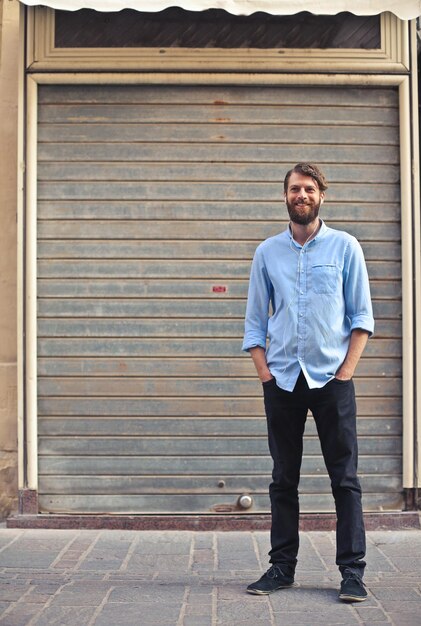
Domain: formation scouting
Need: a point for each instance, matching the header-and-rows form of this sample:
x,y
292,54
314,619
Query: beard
x,y
298,216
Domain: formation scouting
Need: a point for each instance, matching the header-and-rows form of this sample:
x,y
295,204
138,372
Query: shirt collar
x,y
320,233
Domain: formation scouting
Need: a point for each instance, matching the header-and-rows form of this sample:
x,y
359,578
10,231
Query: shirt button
x,y
301,292
301,315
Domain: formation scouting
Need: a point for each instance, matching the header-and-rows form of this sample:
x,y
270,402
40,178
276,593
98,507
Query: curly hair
x,y
307,169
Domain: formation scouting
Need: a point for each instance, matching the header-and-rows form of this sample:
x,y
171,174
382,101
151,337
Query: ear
x,y
322,198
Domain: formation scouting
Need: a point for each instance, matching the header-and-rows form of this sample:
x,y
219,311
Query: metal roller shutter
x,y
151,203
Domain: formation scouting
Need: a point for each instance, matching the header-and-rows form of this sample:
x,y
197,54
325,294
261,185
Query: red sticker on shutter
x,y
219,289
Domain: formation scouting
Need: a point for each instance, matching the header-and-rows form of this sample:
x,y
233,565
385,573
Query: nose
x,y
302,193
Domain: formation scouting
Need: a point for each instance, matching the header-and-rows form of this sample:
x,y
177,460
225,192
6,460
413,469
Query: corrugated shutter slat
x,y
151,197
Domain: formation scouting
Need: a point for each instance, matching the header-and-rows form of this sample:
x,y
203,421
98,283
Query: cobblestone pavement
x,y
182,578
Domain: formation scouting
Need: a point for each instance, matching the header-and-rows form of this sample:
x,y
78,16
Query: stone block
x,y
371,614
150,593
69,615
397,593
128,614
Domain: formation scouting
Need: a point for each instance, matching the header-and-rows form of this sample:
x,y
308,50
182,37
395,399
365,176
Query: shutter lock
x,y
245,501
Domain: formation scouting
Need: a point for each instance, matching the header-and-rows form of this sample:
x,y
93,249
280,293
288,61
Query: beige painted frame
x,y
20,216
393,55
416,435
411,274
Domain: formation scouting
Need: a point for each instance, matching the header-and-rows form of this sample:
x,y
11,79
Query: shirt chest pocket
x,y
325,278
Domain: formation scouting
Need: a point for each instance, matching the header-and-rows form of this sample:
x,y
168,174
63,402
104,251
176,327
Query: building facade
x,y
151,150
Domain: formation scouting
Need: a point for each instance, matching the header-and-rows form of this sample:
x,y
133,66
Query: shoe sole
x,y
256,592
349,598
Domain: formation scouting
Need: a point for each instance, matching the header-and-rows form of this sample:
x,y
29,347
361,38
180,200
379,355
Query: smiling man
x,y
305,353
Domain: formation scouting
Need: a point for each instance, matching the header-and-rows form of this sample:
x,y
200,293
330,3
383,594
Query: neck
x,y
303,233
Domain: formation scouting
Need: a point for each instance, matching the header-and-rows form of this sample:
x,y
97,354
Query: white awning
x,y
405,9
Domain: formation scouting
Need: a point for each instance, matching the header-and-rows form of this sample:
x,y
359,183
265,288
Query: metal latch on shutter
x,y
244,501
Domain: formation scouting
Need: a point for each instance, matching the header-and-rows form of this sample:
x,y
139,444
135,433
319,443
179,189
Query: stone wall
x,y
8,254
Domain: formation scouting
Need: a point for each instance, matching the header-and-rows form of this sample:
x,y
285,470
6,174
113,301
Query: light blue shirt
x,y
318,294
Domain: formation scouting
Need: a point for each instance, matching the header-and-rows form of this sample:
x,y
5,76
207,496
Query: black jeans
x,y
334,411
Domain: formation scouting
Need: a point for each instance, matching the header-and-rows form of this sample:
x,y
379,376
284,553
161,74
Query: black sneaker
x,y
272,580
352,588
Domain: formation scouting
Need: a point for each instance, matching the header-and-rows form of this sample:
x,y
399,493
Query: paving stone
x,y
392,593
87,583
310,565
37,599
117,536
248,622
204,540
376,623
370,614
24,557
406,563
232,592
105,555
399,548
139,562
77,598
36,575
202,568
11,592
406,606
198,609
87,575
319,619
9,534
200,600
405,619
65,616
123,578
234,542
235,565
309,554
377,561
99,563
149,593
43,539
164,543
306,599
151,585
238,607
128,614
154,563
198,620
203,556
19,614
399,578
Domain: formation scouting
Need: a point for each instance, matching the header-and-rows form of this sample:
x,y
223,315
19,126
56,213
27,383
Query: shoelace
x,y
274,571
354,577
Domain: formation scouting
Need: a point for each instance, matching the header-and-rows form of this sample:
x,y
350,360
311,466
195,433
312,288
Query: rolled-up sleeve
x,y
357,296
257,312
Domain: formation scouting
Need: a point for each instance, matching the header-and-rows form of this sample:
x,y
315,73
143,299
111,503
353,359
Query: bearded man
x,y
315,281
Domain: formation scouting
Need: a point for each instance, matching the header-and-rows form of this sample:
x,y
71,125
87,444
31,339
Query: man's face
x,y
303,199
